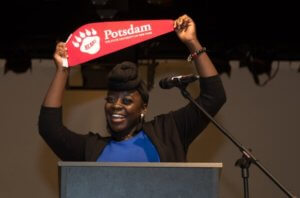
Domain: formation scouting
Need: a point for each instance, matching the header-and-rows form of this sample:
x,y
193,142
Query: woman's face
x,y
123,110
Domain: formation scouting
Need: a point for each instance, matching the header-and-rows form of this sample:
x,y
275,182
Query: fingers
x,y
182,23
61,50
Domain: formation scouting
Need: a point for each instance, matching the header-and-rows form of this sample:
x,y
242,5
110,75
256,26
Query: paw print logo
x,y
88,41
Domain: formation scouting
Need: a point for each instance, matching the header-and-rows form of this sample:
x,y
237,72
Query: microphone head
x,y
177,81
165,83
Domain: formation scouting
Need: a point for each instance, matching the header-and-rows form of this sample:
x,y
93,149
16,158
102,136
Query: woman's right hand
x,y
55,92
60,53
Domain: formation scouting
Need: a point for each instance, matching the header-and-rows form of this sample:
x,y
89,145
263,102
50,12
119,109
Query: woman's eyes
x,y
125,101
110,99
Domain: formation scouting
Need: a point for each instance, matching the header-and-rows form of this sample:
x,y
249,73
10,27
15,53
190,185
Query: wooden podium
x,y
139,180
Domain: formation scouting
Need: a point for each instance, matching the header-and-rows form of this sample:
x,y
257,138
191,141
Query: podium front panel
x,y
139,180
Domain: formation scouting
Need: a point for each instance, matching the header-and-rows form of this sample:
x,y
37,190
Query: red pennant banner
x,y
94,40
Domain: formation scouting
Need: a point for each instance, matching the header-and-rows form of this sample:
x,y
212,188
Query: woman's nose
x,y
117,104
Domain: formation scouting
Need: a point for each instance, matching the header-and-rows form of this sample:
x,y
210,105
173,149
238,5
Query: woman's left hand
x,y
185,29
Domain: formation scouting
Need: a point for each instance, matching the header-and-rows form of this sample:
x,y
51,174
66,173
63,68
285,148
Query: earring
x,y
142,116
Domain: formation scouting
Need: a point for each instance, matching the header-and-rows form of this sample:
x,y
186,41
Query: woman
x,y
166,138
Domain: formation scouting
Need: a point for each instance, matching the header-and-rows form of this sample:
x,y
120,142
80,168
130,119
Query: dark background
x,y
229,29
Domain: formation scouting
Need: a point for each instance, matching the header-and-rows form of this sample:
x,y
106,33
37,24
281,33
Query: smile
x,y
117,118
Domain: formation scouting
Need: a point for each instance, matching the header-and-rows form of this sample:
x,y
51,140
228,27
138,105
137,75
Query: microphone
x,y
177,81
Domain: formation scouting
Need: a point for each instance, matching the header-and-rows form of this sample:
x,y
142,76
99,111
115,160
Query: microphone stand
x,y
247,158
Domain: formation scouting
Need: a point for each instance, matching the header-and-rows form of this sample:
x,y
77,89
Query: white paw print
x,y
88,41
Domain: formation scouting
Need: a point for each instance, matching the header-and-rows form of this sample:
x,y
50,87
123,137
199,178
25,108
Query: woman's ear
x,y
144,110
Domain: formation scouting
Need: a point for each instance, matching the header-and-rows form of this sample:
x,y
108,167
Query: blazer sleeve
x,y
66,144
191,121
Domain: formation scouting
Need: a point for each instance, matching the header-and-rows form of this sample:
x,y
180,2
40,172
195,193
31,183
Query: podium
x,y
139,180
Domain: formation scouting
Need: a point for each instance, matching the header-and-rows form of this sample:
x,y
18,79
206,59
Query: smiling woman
x,y
166,138
126,101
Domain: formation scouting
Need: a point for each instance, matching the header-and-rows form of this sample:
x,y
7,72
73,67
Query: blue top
x,y
136,149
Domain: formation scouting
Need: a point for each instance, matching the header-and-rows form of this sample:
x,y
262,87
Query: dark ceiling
x,y
228,28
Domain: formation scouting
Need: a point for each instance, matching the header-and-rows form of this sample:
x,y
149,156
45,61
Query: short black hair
x,y
125,76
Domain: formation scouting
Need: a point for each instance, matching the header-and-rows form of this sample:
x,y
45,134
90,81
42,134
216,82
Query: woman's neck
x,y
126,134
125,137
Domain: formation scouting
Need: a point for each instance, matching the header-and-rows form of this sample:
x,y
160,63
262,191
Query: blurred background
x,y
254,45
233,29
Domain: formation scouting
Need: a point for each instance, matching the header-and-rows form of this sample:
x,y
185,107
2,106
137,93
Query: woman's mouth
x,y
117,117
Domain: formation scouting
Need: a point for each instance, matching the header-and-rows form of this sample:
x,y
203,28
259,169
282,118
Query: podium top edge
x,y
141,164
